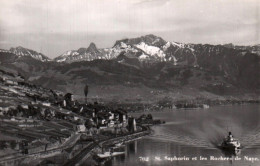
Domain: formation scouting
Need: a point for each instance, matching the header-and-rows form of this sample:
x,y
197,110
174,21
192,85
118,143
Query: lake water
x,y
196,134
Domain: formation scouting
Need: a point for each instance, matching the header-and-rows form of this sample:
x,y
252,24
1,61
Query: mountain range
x,y
144,68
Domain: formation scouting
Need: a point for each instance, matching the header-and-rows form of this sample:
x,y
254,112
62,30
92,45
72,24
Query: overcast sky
x,y
55,26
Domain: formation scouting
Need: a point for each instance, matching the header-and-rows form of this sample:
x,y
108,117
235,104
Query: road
x,y
85,153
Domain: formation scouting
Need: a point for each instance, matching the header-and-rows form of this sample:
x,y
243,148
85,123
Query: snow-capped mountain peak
x,y
82,54
21,51
151,50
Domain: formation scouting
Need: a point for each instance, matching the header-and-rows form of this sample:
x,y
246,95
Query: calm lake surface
x,y
194,133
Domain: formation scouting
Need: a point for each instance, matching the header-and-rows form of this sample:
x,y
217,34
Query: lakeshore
x,y
186,134
181,104
95,147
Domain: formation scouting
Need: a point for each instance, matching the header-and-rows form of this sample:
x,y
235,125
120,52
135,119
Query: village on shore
x,y
39,122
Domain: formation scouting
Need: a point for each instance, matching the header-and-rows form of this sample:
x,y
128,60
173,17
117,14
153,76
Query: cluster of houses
x,y
98,117
39,103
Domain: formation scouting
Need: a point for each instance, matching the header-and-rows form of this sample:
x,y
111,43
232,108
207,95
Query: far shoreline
x,y
181,109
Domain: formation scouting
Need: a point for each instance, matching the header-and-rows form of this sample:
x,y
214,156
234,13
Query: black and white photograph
x,y
129,83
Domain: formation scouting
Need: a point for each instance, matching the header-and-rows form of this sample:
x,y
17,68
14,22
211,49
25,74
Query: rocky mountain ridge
x,y
149,48
21,52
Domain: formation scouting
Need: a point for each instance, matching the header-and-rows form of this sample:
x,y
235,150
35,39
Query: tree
x,y
88,124
3,145
12,144
86,91
149,116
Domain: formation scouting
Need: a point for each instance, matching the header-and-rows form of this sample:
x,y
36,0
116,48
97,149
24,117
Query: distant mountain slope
x,y
20,52
7,57
253,49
